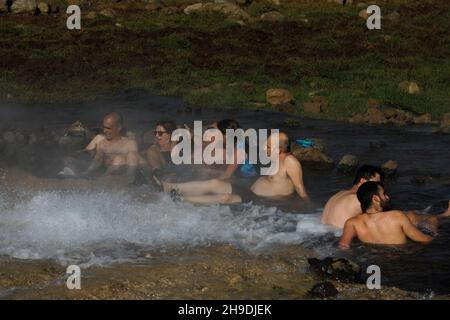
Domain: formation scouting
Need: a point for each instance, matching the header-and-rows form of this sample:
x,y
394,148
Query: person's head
x,y
225,124
371,194
283,142
368,173
163,132
112,125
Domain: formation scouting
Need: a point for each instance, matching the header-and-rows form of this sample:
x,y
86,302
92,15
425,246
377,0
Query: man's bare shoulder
x,y
348,195
353,221
99,137
291,160
95,141
99,140
397,215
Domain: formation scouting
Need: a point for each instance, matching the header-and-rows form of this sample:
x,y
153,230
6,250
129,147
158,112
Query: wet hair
x,y
366,192
168,125
366,172
225,124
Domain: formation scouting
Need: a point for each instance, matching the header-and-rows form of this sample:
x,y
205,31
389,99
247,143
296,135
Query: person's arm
x,y
238,154
295,173
231,168
96,162
411,231
92,146
347,235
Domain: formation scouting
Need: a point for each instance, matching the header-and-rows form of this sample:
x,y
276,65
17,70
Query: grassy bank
x,y
319,48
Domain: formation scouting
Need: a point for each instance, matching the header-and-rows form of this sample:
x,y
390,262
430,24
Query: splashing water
x,y
109,226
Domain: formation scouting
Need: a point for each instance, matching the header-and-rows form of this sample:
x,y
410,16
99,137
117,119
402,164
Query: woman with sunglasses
x,y
158,155
215,190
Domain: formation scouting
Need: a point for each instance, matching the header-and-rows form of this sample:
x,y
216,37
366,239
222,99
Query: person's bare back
x,y
391,227
376,225
341,207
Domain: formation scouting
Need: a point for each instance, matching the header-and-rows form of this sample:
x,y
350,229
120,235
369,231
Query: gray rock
x,y
312,157
24,6
108,12
272,16
230,10
390,167
277,96
348,163
43,7
339,269
9,137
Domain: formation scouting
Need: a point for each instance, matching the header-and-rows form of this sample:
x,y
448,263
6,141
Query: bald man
x,y
289,177
117,154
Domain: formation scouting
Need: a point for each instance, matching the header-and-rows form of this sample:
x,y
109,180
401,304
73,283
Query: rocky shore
x,y
217,272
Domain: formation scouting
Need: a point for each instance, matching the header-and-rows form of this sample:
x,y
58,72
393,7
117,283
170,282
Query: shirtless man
x,y
289,177
116,153
344,204
379,227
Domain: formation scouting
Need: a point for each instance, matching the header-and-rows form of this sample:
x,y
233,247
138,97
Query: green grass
x,y
212,62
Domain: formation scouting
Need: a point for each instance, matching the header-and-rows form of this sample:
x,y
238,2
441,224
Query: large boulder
x,y
230,10
279,96
314,156
24,6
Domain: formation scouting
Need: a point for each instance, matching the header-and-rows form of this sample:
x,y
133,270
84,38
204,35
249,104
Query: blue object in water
x,y
305,143
248,169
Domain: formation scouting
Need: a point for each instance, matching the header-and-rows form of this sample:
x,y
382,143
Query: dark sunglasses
x,y
159,133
